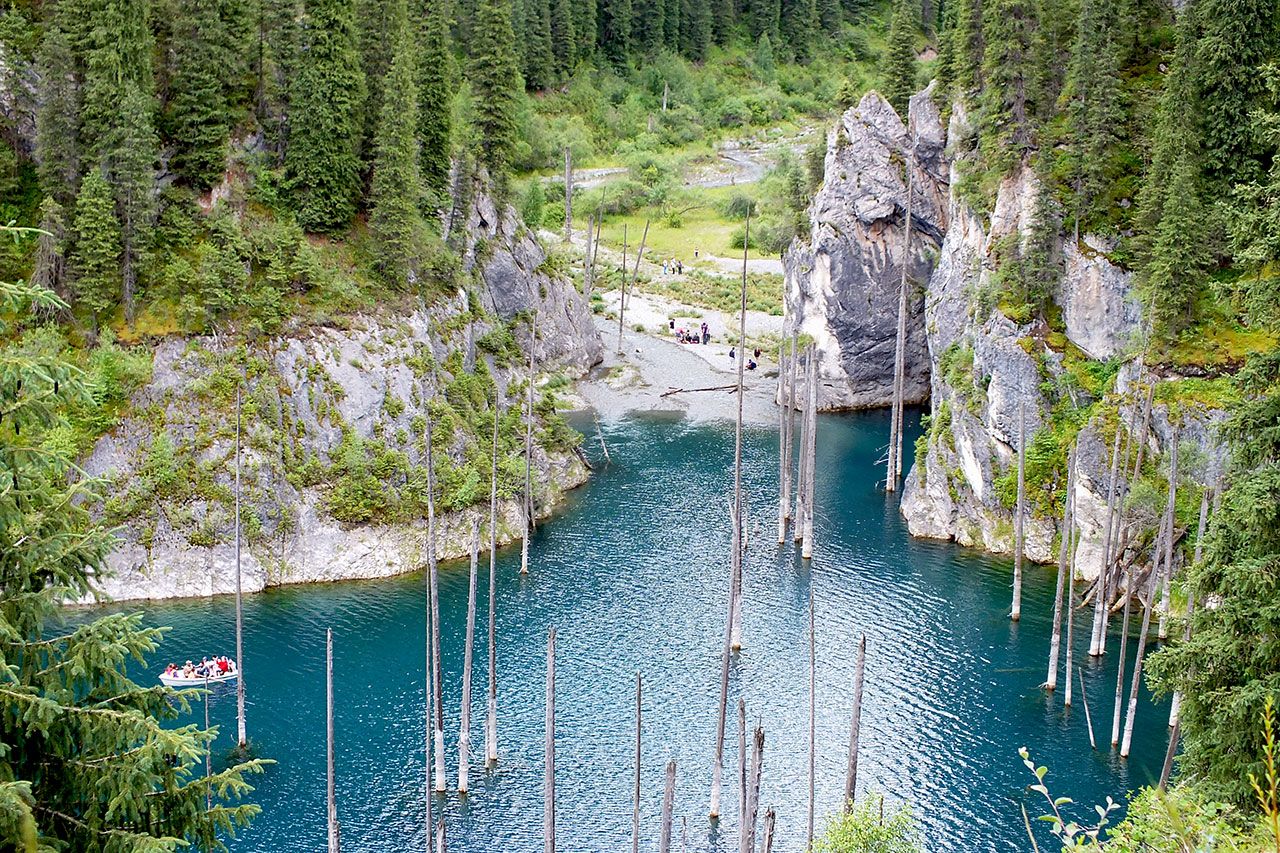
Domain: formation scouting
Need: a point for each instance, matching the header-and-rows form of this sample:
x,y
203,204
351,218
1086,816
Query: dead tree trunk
x,y
464,726
622,288
813,690
751,808
527,510
789,432
668,805
811,451
568,195
802,477
335,845
491,719
855,727
1175,705
549,772
242,737
900,348
1088,718
717,766
433,583
1124,643
1166,580
738,533
1098,636
1051,680
1019,546
766,843
1136,682
586,257
784,460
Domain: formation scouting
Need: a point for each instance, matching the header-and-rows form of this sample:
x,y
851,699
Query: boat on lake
x,y
199,675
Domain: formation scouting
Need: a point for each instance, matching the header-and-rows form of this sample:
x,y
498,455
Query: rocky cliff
x,y
980,364
333,474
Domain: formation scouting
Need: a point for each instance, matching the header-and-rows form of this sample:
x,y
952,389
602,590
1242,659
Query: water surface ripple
x,y
633,575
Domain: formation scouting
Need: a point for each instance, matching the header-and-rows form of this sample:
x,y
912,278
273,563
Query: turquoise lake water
x,y
633,575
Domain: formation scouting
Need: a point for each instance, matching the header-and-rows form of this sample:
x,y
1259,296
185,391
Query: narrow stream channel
x,y
633,575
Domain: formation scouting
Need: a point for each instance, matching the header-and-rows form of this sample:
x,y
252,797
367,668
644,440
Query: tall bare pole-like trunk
x,y
1168,756
1157,554
464,727
1055,641
751,806
568,195
811,451
433,584
242,738
335,845
789,432
549,773
527,510
1098,637
1019,543
855,727
802,477
1120,664
1175,706
668,805
587,258
1116,551
635,800
440,836
742,757
738,532
783,460
491,718
717,766
766,843
1166,580
1071,606
900,345
813,704
635,269
622,288
1088,718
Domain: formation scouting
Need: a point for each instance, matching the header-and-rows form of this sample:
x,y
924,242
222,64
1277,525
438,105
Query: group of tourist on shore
x,y
700,335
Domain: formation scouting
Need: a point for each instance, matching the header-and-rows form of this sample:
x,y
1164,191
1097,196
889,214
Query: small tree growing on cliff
x,y
900,59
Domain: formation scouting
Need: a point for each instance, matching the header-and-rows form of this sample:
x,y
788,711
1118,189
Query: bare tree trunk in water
x,y
1124,642
1098,636
1136,682
783,459
900,346
464,727
813,689
751,808
668,804
433,583
1051,680
622,288
491,720
1162,631
1176,705
855,727
527,511
717,766
1019,546
766,843
242,737
811,452
802,476
335,845
635,802
738,532
1071,605
568,195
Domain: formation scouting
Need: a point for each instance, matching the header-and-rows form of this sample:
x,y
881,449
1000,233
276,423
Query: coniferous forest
x,y
181,168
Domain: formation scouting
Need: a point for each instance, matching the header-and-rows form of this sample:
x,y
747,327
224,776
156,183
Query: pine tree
x,y
275,66
830,17
375,36
724,18
396,188
92,760
1175,276
695,28
496,84
947,45
118,47
900,58
798,27
1238,38
766,68
539,62
967,47
131,168
323,159
671,25
648,25
95,263
435,93
57,118
50,270
564,40
1094,111
198,111
584,28
762,19
615,31
1008,76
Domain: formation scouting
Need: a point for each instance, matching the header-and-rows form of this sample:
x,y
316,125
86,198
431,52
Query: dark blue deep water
x,y
633,575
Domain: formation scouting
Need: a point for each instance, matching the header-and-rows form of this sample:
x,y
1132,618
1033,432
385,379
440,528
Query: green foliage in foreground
x,y
868,828
86,760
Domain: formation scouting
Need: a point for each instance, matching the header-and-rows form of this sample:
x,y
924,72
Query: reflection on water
x,y
633,574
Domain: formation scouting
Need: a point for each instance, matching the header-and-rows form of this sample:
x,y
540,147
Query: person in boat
x,y
189,670
224,665
170,670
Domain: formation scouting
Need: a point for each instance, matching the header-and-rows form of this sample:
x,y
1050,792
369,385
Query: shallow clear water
x,y
633,576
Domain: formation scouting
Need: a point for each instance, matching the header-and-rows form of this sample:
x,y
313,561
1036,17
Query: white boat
x,y
178,679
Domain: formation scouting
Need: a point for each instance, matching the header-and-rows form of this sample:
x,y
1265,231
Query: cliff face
x,y
333,439
980,370
843,279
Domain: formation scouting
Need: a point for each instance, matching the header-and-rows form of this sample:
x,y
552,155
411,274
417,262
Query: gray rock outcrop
x,y
843,279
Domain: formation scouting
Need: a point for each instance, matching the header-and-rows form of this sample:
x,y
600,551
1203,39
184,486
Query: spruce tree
x,y
564,40
615,31
695,29
724,18
1094,111
671,25
375,36
762,19
198,112
539,61
967,46
584,28
798,27
131,168
118,47
900,58
830,17
649,26
496,85
435,108
323,159
57,118
763,60
95,262
1237,39
396,188
50,270
1008,77
92,760
946,45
